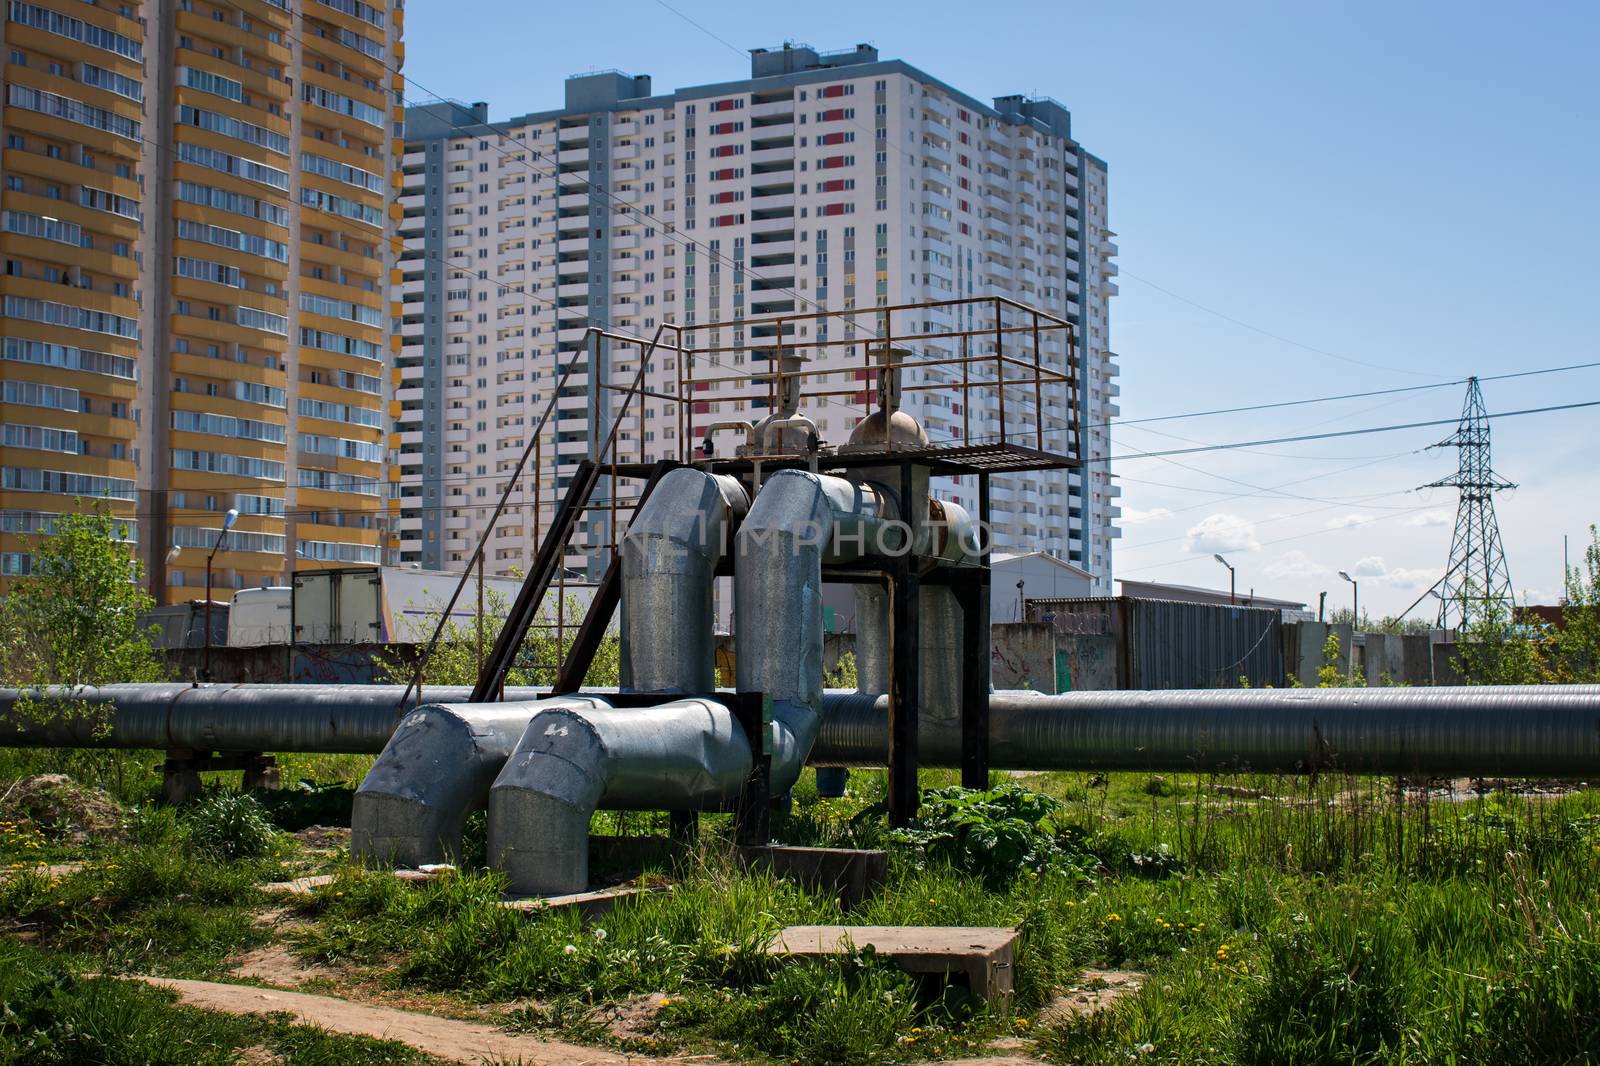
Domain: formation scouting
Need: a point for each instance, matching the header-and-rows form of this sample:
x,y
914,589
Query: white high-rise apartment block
x,y
833,180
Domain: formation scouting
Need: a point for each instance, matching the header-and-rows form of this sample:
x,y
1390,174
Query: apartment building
x,y
824,180
197,246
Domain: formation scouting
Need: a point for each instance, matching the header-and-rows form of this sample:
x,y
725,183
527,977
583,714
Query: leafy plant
x,y
993,834
230,825
74,622
455,659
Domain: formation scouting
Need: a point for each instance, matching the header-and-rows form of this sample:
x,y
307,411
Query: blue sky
x,y
1410,187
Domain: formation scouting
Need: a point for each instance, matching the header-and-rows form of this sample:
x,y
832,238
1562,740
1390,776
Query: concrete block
x,y
1024,656
300,886
852,874
1416,665
1382,658
1445,671
984,956
1302,650
1087,663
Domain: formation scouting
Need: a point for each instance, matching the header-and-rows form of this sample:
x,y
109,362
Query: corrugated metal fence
x,y
1171,644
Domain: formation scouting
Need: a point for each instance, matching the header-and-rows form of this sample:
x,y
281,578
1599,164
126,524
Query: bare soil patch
x,y
1094,990
275,964
62,809
632,1019
325,839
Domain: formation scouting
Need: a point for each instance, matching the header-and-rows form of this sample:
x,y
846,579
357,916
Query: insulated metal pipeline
x,y
435,770
1513,731
669,557
350,719
1542,730
683,755
687,755
798,520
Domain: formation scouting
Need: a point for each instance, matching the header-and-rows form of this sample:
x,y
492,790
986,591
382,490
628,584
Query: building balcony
x,y
774,107
930,150
768,155
784,224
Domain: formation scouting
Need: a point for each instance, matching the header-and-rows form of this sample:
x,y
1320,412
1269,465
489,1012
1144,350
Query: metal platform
x,y
941,460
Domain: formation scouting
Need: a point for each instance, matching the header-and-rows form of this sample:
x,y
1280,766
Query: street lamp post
x,y
227,524
1355,599
1231,597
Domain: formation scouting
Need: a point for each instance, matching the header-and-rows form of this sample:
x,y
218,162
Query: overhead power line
x,y
1235,445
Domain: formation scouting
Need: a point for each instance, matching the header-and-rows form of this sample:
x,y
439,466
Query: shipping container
x,y
1164,644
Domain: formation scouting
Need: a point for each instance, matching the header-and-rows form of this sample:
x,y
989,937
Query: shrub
x,y
230,825
993,834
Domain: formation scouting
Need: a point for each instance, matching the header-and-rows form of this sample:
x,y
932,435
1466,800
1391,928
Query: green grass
x,y
51,1015
1277,920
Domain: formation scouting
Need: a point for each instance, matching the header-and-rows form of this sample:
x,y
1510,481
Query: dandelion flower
x,y
1146,1048
570,949
599,934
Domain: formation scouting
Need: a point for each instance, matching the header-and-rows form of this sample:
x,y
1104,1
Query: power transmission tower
x,y
1476,584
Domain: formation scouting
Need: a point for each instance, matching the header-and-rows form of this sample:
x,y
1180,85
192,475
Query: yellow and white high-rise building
x,y
197,250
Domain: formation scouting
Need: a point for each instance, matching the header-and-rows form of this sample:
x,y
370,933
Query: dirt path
x,y
444,1038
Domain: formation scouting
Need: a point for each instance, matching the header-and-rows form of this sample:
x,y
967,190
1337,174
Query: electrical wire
x,y
1236,445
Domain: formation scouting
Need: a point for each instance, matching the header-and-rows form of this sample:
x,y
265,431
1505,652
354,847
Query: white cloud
x,y
1222,533
1295,564
1373,568
1132,516
1403,578
1428,518
1348,521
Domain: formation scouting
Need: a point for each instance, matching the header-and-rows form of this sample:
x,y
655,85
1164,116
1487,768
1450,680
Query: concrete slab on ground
x,y
984,955
589,904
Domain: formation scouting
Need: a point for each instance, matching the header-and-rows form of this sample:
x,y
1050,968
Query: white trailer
x,y
260,616
399,605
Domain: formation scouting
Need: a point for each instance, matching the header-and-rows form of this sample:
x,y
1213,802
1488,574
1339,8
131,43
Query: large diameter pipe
x,y
669,558
436,769
687,755
331,719
1511,731
798,519
1537,730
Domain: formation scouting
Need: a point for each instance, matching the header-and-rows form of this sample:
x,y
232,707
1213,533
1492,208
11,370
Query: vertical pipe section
x,y
433,772
682,756
872,669
798,520
669,556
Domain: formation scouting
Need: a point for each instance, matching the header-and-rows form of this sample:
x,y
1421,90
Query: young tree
x,y
1577,642
74,620
455,658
